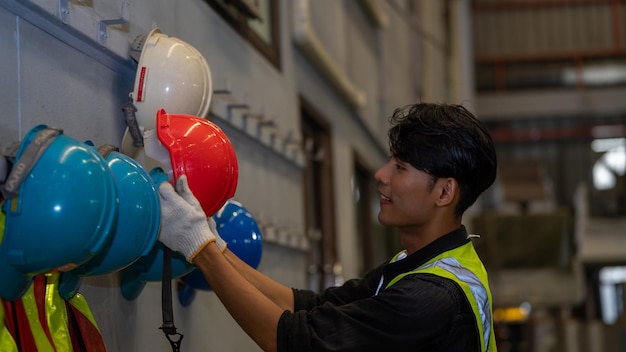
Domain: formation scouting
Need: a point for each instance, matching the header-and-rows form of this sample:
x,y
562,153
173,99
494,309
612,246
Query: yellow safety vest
x,y
7,343
6,339
463,266
44,320
50,324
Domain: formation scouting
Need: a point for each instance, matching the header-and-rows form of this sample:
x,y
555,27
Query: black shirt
x,y
421,312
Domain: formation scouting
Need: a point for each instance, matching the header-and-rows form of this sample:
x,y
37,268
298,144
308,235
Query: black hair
x,y
445,141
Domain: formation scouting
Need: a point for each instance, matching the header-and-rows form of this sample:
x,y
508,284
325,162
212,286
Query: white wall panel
x,y
10,127
63,88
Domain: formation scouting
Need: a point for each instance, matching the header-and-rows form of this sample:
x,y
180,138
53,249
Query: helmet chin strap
x,y
28,159
130,118
168,327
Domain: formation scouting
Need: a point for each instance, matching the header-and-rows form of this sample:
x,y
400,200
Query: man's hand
x,y
184,226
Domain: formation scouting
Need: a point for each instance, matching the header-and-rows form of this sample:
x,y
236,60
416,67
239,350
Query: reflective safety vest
x,y
7,343
43,321
463,266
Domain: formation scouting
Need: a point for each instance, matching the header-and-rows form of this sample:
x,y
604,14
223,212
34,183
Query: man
x,y
433,296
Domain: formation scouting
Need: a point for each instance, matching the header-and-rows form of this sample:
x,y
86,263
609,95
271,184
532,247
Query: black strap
x,y
168,327
131,121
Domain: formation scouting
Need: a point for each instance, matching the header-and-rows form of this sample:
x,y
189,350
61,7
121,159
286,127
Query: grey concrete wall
x,y
57,73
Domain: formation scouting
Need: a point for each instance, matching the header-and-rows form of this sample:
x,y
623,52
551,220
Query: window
x,y
324,266
612,293
377,242
255,20
611,165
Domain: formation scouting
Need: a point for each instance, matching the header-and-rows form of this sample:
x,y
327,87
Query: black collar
x,y
444,243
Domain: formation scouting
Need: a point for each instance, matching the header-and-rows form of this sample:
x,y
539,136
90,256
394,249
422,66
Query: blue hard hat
x,y
137,226
149,267
60,207
238,228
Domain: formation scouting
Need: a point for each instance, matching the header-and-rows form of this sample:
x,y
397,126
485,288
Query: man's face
x,y
406,198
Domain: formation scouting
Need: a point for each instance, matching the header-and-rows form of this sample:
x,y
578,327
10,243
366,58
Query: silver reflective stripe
x,y
398,257
479,292
27,160
380,284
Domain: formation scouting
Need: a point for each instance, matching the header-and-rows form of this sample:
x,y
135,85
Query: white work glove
x,y
184,226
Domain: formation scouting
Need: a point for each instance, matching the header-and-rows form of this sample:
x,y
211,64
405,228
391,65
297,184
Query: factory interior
x,y
302,89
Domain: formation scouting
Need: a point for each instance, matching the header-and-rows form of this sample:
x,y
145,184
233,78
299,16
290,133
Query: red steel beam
x,y
550,56
617,33
508,135
500,70
537,134
533,4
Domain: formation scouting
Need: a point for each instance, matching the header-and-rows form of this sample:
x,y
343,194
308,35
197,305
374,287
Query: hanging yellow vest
x,y
44,321
6,339
463,266
7,343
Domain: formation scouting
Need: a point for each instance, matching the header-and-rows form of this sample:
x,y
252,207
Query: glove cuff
x,y
197,238
221,244
194,254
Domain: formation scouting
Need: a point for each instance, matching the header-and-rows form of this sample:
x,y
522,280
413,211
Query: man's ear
x,y
448,191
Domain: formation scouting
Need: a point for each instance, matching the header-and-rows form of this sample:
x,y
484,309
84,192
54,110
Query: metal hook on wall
x,y
104,24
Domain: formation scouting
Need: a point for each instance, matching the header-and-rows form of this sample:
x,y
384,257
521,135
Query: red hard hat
x,y
199,149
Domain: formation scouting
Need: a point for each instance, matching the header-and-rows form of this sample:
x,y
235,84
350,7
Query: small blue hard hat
x,y
236,226
149,267
137,226
62,213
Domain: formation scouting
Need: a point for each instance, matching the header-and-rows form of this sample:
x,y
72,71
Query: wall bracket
x,y
103,25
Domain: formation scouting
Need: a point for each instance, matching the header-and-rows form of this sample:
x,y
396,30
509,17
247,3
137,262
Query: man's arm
x,y
280,294
185,229
257,314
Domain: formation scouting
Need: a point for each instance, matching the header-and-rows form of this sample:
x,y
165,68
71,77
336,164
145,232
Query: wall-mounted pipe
x,y
307,40
375,13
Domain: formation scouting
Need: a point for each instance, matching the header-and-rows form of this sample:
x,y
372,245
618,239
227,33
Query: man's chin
x,y
383,220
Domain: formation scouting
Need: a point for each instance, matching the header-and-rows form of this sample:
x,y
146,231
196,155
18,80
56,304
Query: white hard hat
x,y
171,75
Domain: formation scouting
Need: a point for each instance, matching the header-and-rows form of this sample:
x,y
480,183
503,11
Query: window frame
x,y
239,22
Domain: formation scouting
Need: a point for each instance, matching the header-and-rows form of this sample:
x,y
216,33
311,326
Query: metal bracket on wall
x,y
104,24
255,123
73,22
64,10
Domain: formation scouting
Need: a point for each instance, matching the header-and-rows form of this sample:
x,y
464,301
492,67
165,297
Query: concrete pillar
x,y
432,28
462,82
